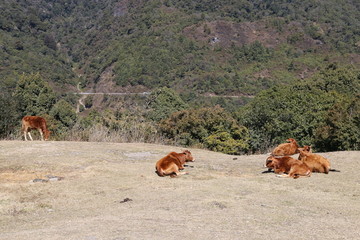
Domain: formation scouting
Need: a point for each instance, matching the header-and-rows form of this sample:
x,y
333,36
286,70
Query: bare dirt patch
x,y
111,191
226,34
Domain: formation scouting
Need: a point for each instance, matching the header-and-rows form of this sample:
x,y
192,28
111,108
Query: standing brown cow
x,y
172,163
34,122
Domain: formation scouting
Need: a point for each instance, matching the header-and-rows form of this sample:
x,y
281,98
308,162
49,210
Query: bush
x,y
88,101
212,128
163,102
320,112
283,112
224,142
65,117
254,52
341,127
33,95
110,126
10,119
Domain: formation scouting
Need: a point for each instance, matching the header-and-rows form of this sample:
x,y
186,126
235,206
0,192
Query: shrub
x,y
10,119
225,142
65,117
163,102
88,101
283,112
33,95
320,112
213,128
341,127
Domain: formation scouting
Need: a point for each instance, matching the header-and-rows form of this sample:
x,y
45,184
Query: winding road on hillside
x,y
85,94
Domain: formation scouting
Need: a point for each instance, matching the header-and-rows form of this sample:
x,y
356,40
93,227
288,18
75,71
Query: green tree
x,y
320,112
283,112
341,128
253,52
33,95
9,117
345,80
50,42
88,101
213,128
163,102
64,115
228,142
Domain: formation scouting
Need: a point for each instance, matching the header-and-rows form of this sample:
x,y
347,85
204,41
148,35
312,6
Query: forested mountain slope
x,y
208,46
291,69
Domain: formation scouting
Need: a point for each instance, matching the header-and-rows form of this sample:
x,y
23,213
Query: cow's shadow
x,y
268,171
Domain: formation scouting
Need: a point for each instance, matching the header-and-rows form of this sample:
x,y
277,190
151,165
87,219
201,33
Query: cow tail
x,y
333,170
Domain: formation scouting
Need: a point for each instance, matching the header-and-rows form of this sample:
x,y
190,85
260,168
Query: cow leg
x,y
41,135
25,133
174,171
291,174
176,174
30,136
181,173
283,175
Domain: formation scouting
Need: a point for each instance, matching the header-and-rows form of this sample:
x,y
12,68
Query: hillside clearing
x,y
110,191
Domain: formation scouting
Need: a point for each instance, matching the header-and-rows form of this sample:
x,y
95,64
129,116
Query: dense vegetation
x,y
299,59
169,43
323,112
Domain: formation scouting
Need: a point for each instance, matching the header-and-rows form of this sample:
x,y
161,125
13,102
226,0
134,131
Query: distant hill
x,y
219,47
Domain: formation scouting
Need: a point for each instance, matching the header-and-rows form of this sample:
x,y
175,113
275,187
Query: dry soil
x,y
96,191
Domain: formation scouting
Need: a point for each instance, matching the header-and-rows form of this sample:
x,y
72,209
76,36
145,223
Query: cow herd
x,y
280,160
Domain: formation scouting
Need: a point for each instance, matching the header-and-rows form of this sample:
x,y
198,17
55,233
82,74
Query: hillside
x,y
110,191
221,47
230,76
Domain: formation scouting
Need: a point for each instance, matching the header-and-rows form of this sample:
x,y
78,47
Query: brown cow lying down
x,y
172,163
286,149
294,168
316,162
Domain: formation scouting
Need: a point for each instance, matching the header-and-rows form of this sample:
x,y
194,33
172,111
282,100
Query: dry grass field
x,y
110,191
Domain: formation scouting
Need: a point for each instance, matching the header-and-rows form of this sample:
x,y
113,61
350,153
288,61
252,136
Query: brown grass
x,y
111,191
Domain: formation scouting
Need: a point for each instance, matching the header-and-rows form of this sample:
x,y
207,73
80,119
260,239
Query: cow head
x,y
291,140
188,156
270,162
46,135
304,152
306,149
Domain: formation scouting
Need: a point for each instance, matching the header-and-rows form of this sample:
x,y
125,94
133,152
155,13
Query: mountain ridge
x,y
168,43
